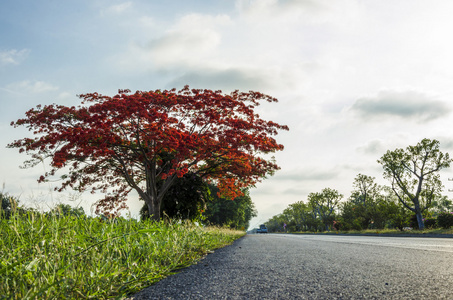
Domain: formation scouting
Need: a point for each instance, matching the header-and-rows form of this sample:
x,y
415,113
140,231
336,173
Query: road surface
x,y
271,266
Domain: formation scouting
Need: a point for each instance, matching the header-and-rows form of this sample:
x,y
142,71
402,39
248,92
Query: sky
x,y
353,78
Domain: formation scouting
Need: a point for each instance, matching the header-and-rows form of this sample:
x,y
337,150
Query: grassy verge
x,y
398,232
389,231
79,258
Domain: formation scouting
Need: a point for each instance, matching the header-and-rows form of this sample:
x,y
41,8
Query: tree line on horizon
x,y
413,198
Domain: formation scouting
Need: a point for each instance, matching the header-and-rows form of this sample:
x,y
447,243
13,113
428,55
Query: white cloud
x,y
147,22
191,41
296,192
224,79
446,142
374,147
190,44
28,86
284,10
116,9
13,56
308,174
219,50
404,104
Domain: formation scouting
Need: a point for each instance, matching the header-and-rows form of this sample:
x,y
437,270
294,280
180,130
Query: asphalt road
x,y
271,266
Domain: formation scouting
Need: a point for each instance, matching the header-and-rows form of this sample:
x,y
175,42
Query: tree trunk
x,y
421,224
418,213
153,208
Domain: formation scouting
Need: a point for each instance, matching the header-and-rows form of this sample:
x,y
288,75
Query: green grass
x,y
389,231
396,231
79,258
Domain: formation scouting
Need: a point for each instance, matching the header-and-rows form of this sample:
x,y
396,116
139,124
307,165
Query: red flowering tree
x,y
143,141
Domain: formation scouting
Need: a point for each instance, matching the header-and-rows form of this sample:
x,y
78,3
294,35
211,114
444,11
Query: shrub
x,y
430,223
337,225
9,206
357,224
445,220
413,221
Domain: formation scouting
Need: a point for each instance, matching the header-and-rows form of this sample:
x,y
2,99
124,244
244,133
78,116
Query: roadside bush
x,y
445,220
430,223
413,221
341,224
357,224
337,225
10,206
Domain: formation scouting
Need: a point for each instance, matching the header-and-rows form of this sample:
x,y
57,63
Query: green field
x,y
45,257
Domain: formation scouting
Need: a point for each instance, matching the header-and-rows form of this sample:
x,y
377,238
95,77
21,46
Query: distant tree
x,y
381,209
186,198
324,204
442,204
10,205
290,220
351,216
445,220
398,216
414,175
275,224
365,189
67,210
303,215
362,210
235,213
133,141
